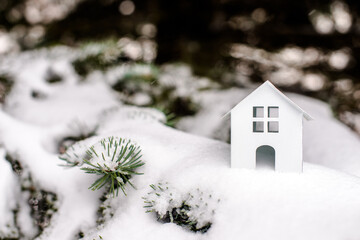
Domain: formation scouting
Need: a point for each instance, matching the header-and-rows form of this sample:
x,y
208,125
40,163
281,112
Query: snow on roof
x,y
268,83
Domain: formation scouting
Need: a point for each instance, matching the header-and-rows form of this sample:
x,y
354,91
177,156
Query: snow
x,y
76,203
84,100
321,203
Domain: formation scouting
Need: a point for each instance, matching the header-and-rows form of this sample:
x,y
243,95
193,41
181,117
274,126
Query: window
x,y
258,126
273,126
269,119
258,112
273,112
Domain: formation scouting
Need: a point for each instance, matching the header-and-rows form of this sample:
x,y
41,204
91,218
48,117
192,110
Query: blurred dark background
x,y
309,47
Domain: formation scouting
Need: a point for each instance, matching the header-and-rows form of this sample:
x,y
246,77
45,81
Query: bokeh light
x,y
127,7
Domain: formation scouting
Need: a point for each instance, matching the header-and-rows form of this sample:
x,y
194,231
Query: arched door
x,y
265,157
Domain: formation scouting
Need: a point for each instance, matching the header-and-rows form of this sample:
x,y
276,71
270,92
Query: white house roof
x,y
268,83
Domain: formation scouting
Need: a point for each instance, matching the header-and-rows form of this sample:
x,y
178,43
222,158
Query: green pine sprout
x,y
114,159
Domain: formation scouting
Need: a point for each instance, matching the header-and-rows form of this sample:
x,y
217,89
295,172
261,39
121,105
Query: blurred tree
x,y
310,47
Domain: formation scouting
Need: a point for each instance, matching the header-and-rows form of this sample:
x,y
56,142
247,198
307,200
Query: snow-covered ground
x,y
326,141
321,203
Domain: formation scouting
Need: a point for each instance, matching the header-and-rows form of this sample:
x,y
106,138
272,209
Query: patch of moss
x,y
135,80
176,107
52,77
179,216
6,84
108,54
105,211
42,203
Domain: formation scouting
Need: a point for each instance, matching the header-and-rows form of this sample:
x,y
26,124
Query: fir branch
x,y
114,159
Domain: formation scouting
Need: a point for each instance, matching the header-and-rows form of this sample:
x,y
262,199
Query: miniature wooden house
x,y
267,124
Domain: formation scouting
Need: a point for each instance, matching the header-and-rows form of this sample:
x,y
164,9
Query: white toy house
x,y
266,127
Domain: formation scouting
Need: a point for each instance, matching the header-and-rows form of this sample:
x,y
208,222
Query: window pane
x,y
258,112
273,126
258,126
273,112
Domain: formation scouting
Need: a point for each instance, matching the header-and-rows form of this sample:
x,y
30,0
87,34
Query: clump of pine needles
x,y
114,159
194,210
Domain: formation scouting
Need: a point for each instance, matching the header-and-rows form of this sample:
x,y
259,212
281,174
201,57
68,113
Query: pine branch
x,y
114,159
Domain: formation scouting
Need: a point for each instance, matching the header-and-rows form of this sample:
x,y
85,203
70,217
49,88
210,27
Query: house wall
x,y
287,142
